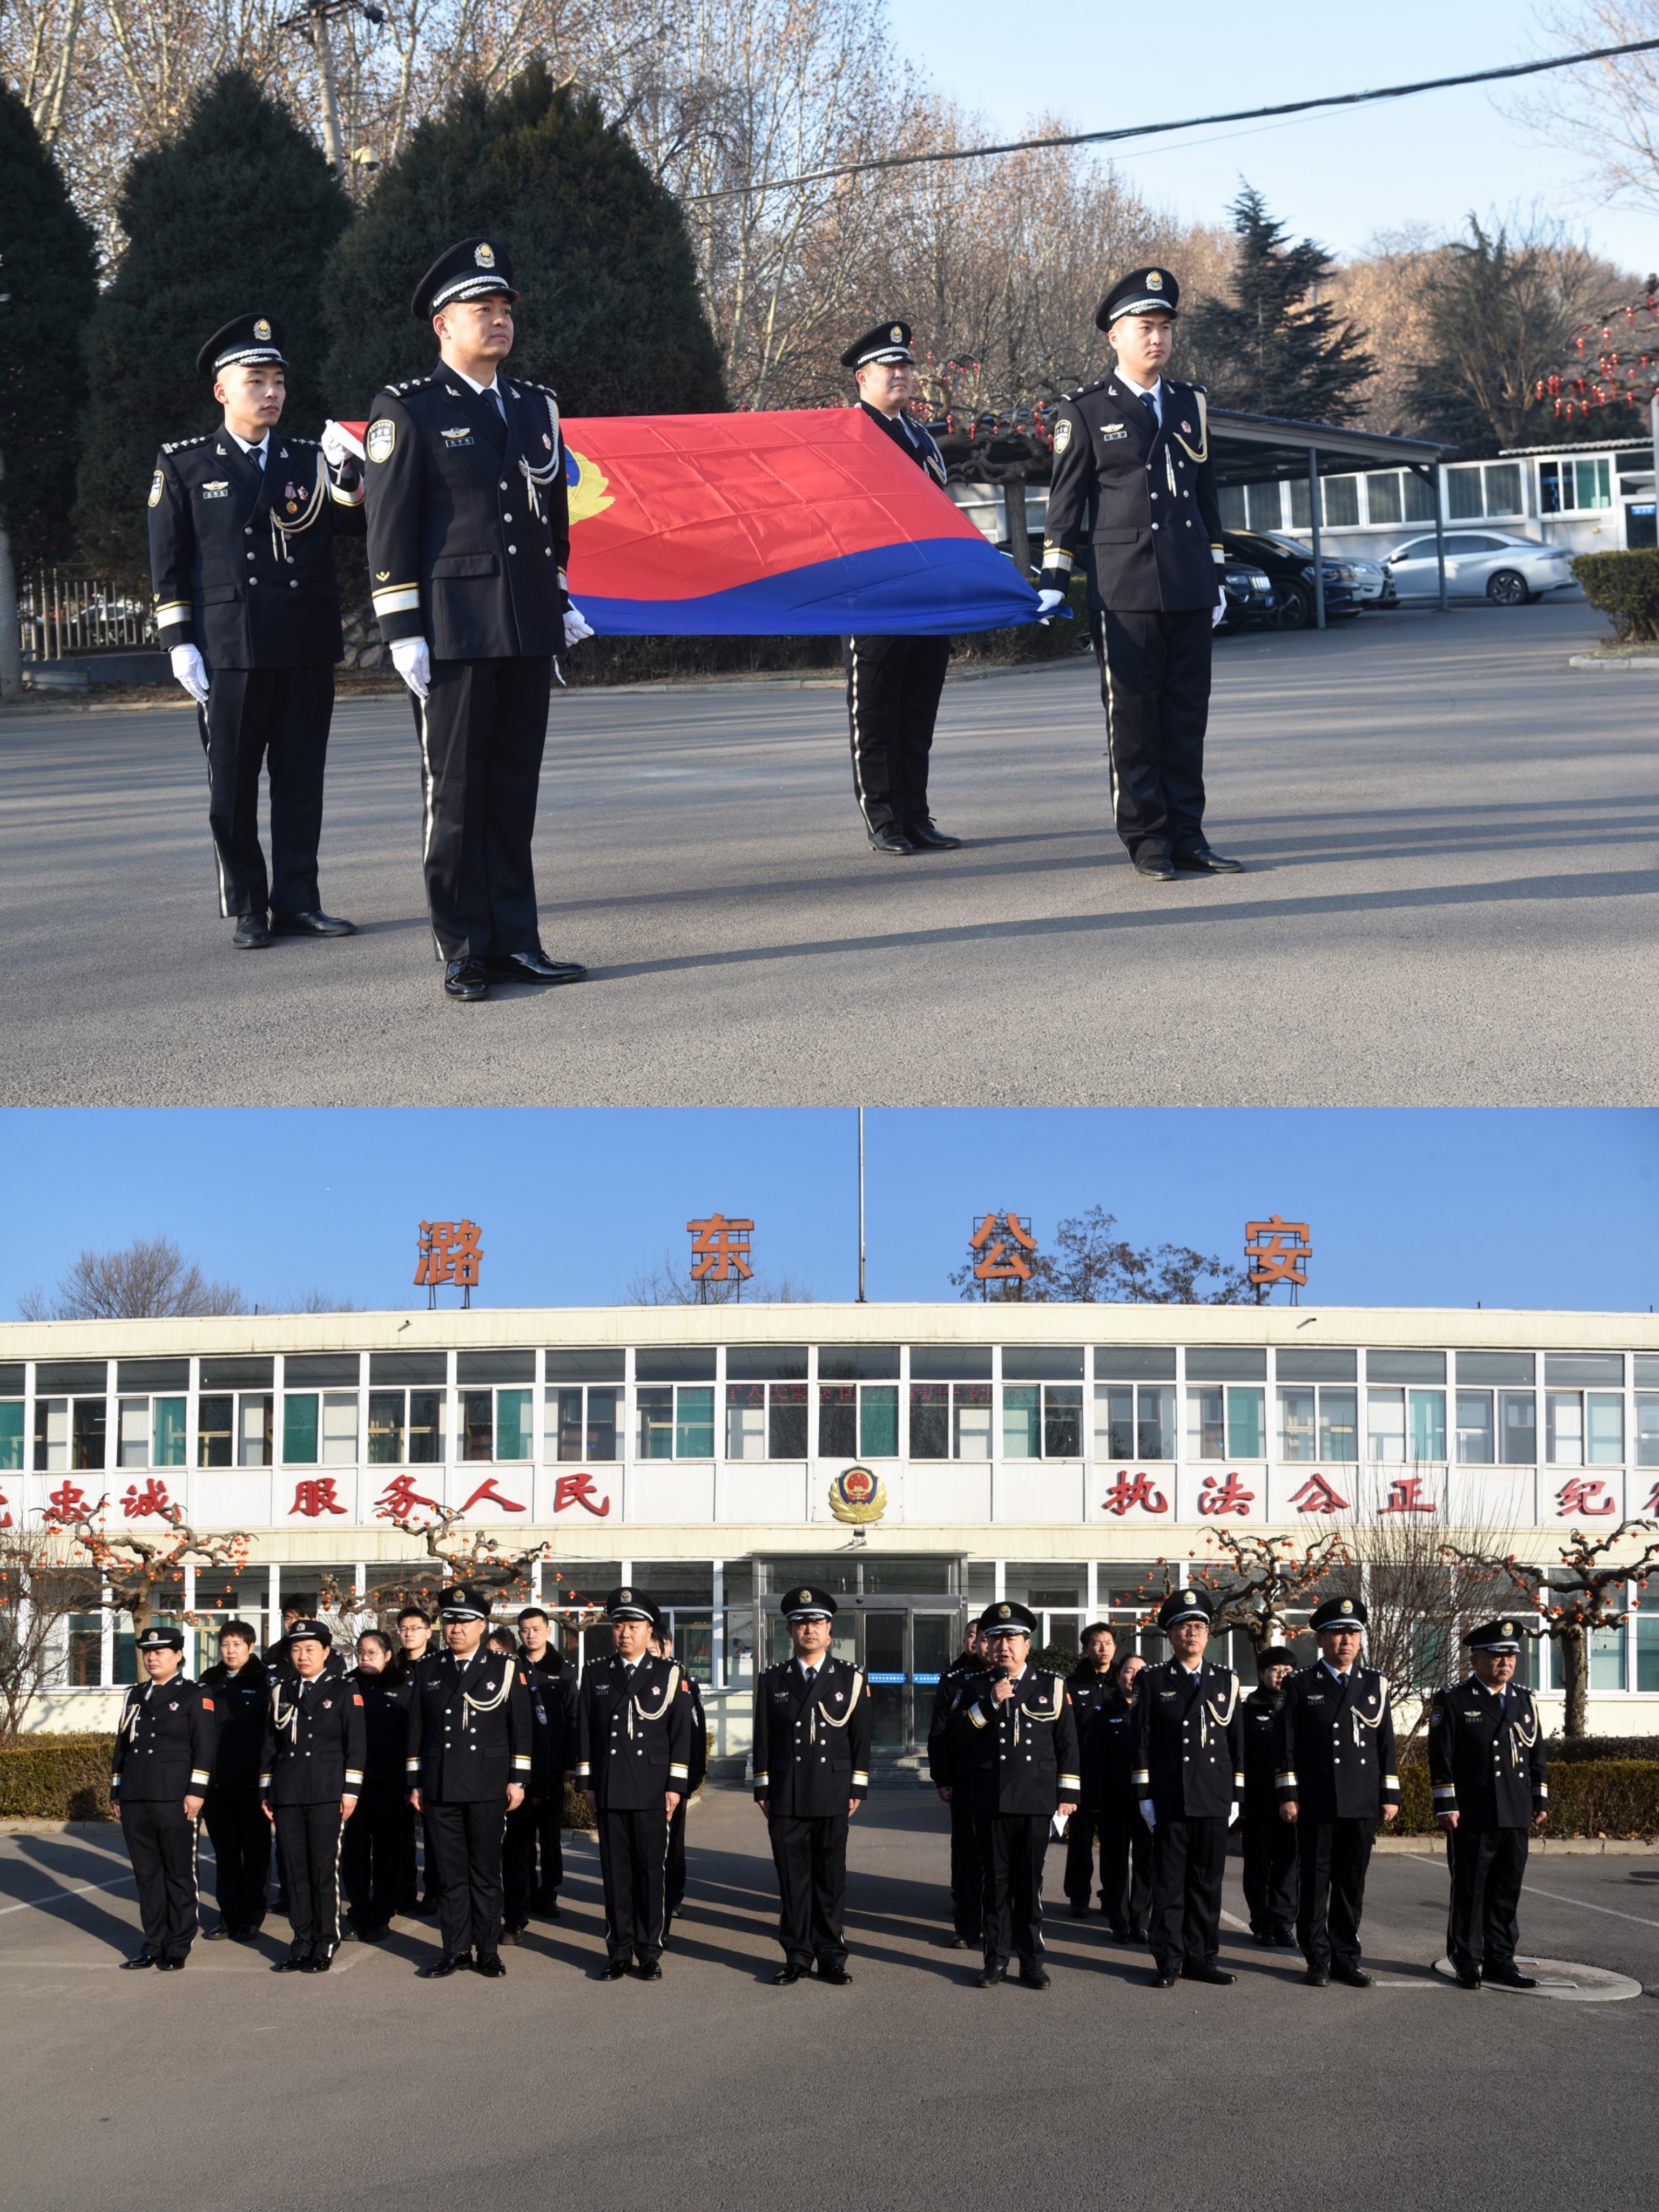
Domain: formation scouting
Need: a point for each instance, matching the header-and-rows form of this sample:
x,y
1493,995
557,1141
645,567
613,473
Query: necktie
x,y
495,393
1149,403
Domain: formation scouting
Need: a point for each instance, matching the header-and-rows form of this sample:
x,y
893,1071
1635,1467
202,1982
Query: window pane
x,y
1475,1441
1463,493
386,1428
1296,1424
745,1420
213,1420
1647,1651
1155,1423
1340,502
1339,1424
514,1438
973,1420
1261,505
1062,1421
11,1436
1607,1665
1019,1420
1383,498
1604,1423
838,1435
300,1429
1419,500
86,1641
786,1417
1647,1431
340,1428
1595,489
91,1416
425,1427
1115,1420
1503,488
1517,1413
930,1420
564,1424
878,1421
694,1433
1207,1432
255,1436
1428,1422
1247,1424
603,1409
1564,1419
477,1425
133,1445
1385,1425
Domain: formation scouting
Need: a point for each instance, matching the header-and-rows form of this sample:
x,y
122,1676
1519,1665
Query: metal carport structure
x,y
1262,448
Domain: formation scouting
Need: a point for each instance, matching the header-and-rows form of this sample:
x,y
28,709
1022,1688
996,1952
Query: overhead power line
x,y
1191,123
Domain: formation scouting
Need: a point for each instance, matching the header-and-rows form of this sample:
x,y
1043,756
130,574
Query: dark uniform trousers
x,y
241,1835
810,1853
1189,1857
530,1827
481,731
1080,1831
1155,682
967,1869
464,1845
1487,1867
634,1856
161,1843
674,1865
279,718
308,1838
371,1855
1126,1867
1332,1857
1012,1850
893,689
1270,1868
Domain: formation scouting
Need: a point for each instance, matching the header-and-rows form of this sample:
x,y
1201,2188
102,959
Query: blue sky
x,y
1417,1208
1336,176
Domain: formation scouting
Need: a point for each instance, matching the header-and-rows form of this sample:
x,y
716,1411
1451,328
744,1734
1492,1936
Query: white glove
x,y
1217,614
337,446
412,659
1149,1812
1232,1813
1046,602
576,626
188,669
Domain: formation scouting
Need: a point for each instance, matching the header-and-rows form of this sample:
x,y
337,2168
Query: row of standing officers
x,y
1156,1761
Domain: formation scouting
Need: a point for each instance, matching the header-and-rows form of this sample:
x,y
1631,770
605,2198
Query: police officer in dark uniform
x,y
1490,1783
967,1875
165,1743
1132,471
469,1766
1019,1738
1091,1685
1189,1771
235,1816
1125,1841
312,1774
469,533
634,1766
893,683
1269,1843
552,1684
371,1851
241,553
662,1643
812,1761
1336,1776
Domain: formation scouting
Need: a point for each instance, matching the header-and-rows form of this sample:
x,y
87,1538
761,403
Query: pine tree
x,y
611,314
49,274
1501,319
1276,348
236,214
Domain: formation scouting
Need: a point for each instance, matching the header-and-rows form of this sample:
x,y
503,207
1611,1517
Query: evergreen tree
x,y
1276,348
1501,318
238,213
611,314
49,274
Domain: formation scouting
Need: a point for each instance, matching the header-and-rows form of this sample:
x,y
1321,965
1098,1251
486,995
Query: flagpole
x,y
860,1206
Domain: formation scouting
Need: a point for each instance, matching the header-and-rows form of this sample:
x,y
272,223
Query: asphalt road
x,y
226,2084
1451,839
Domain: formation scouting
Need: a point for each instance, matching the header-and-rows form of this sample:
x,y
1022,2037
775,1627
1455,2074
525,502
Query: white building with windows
x,y
1055,1454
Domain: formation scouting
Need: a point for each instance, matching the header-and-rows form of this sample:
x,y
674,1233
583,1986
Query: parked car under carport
x,y
1490,564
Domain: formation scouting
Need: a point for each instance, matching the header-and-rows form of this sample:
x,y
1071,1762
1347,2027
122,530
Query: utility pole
x,y
324,53
861,1206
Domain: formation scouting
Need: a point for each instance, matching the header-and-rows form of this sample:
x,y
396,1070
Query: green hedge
x,y
1617,1798
1625,587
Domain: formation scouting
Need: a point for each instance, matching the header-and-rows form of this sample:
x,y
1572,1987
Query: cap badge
x,y
1347,1605
897,334
805,1598
1509,1628
627,1597
1154,282
484,256
262,330
1002,1612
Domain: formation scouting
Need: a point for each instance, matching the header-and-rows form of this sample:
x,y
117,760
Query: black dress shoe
x,y
1318,1977
1137,1932
1165,1979
1262,1935
466,979
1120,1931
245,1935
958,1942
293,1964
786,1977
372,1935
531,967
926,837
311,924
492,1967
1467,1979
1079,1911
132,1966
1507,1977
169,1965
512,1930
1353,1977
651,1973
1201,861
219,1934
424,1908
349,1934
837,1977
1035,1978
991,1976
614,1969
1217,1977
1155,865
546,1903
1284,1939
251,932
440,1969
318,1963
887,839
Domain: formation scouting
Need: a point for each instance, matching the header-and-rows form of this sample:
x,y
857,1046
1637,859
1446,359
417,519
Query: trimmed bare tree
x,y
477,1562
37,1595
140,1573
1265,1576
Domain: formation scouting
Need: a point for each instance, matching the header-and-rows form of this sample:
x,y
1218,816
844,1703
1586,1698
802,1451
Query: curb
x,y
1538,1847
1620,660
109,1827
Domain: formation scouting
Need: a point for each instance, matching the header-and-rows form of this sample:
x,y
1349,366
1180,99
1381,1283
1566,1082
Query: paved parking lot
x,y
1451,837
226,2085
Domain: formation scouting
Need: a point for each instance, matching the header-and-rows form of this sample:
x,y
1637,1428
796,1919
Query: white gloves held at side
x,y
1046,602
335,447
412,659
576,626
1217,614
189,669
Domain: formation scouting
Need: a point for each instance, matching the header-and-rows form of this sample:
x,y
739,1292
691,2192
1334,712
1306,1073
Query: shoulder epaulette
x,y
1083,390
293,439
183,445
524,384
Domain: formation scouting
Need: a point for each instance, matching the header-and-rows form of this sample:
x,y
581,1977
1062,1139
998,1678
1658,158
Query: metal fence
x,y
64,611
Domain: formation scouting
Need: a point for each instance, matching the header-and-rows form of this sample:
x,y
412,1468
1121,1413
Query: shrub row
x,y
1612,1797
1625,587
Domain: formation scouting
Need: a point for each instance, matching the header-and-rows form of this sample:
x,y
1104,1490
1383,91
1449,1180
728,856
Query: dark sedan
x,y
1289,568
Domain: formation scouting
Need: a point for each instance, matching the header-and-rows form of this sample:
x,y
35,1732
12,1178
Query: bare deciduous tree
x,y
1265,1576
140,1572
37,1596
1087,1264
670,1283
148,1280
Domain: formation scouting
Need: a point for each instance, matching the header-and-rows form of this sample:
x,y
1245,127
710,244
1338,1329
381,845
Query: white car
x,y
1493,564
